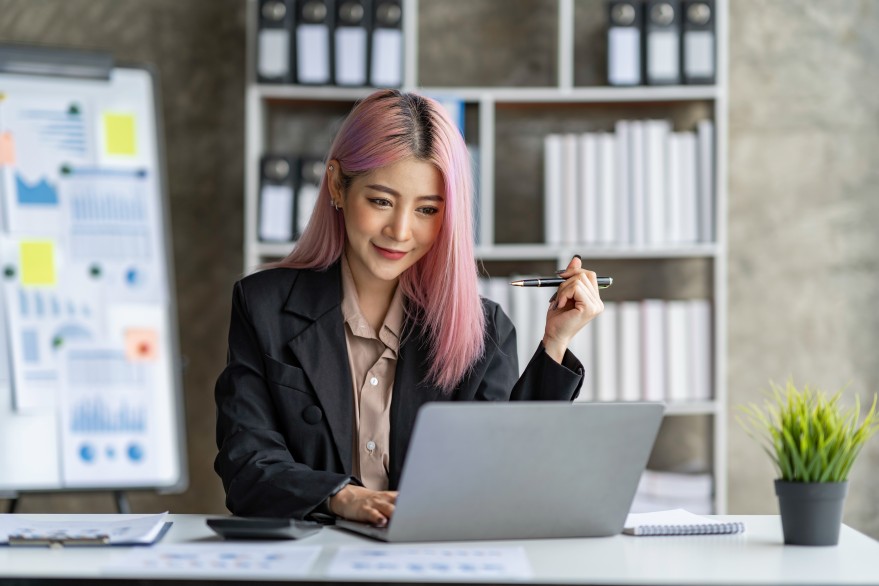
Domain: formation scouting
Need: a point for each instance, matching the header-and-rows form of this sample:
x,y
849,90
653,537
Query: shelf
x,y
505,95
542,251
498,117
695,408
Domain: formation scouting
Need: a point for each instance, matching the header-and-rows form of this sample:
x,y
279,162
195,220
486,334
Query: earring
x,y
331,167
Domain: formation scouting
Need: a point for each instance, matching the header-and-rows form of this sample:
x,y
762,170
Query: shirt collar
x,y
389,333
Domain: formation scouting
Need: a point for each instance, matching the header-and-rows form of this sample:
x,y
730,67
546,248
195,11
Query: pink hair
x,y
441,288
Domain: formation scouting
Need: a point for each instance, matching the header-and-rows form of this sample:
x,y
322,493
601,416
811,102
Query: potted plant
x,y
813,442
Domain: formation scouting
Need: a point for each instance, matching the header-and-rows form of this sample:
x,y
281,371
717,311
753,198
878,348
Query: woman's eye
x,y
382,203
428,211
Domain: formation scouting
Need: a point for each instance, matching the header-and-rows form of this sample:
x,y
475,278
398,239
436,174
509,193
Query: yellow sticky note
x,y
37,263
119,135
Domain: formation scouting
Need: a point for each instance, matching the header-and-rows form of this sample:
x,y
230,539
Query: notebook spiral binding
x,y
695,529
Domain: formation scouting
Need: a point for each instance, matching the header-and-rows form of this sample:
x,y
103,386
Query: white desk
x,y
757,557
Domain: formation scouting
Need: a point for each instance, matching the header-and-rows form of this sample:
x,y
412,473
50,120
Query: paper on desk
x,y
472,563
130,531
218,559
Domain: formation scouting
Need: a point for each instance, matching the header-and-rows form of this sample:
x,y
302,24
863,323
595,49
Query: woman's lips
x,y
389,254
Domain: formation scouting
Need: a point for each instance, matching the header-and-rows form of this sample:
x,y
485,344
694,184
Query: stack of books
x,y
659,491
648,350
641,186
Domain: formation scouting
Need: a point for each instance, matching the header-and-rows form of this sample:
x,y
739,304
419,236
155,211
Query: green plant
x,y
810,437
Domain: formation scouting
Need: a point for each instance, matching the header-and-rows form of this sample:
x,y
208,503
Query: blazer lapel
x,y
410,393
319,345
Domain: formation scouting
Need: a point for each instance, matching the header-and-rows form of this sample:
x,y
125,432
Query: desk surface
x,y
754,558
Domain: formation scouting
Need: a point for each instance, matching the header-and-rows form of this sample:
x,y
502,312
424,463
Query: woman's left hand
x,y
576,303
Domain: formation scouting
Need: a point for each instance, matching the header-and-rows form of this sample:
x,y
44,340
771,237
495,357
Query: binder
x,y
662,29
351,38
314,21
386,44
276,198
274,47
311,172
624,42
698,54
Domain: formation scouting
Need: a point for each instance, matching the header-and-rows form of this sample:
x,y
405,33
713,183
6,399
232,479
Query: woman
x,y
374,313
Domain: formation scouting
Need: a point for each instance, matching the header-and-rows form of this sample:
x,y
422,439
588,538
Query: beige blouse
x,y
372,358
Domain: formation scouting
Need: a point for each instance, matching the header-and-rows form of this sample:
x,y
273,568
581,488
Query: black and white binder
x,y
274,63
277,198
351,38
386,45
314,22
698,62
662,32
624,42
311,172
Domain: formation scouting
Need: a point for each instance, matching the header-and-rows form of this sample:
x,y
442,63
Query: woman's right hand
x,y
358,503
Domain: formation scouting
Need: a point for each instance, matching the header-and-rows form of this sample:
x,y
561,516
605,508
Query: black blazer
x,y
285,408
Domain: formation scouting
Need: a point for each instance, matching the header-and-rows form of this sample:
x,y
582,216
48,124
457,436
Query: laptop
x,y
519,470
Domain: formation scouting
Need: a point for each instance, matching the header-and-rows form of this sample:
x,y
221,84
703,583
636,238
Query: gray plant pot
x,y
811,512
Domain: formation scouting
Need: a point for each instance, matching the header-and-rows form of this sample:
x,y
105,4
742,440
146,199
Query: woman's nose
x,y
400,228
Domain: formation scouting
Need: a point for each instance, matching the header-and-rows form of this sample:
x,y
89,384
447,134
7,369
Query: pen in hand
x,y
603,282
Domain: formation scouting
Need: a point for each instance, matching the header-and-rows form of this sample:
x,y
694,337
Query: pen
x,y
603,282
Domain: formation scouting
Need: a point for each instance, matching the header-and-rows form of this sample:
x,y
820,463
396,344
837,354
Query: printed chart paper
x,y
226,560
421,563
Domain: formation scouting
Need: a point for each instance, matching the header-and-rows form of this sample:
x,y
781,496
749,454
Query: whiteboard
x,y
90,389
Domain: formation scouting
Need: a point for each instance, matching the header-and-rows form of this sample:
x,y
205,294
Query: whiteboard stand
x,y
116,113
122,505
12,497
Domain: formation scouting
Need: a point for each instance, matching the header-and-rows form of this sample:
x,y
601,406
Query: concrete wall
x,y
803,171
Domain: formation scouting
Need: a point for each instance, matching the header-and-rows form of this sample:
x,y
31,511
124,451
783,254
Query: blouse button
x,y
370,445
373,381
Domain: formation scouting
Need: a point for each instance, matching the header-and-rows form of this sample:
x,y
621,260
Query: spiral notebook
x,y
678,522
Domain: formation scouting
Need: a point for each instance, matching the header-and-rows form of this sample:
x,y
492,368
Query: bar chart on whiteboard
x,y
87,377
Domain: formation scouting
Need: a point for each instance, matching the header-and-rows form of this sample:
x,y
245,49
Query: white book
x,y
678,352
500,291
608,195
637,178
653,349
483,286
656,166
648,504
705,132
689,188
607,363
664,484
570,184
589,184
630,350
276,213
583,347
475,159
702,356
552,189
306,199
540,297
623,183
678,522
521,317
674,202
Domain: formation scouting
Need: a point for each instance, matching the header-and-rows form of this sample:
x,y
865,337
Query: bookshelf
x,y
491,114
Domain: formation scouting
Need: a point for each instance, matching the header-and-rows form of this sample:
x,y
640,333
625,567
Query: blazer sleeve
x,y
543,379
258,471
